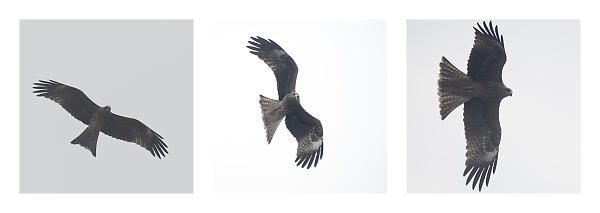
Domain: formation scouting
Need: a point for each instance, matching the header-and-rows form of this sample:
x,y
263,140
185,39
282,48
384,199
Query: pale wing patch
x,y
310,149
279,53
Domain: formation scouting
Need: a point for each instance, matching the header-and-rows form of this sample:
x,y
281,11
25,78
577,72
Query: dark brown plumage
x,y
307,129
481,90
279,61
100,119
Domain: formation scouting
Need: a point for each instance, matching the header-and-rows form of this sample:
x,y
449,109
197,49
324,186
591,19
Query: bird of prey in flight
x,y
100,119
481,90
304,127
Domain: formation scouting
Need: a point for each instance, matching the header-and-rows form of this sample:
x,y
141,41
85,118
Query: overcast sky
x,y
341,81
142,69
540,146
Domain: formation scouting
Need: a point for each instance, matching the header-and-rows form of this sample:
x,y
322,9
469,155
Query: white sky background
x,y
540,146
341,81
142,69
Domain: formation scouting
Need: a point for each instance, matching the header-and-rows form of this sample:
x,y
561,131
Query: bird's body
x,y
307,129
100,119
481,90
89,137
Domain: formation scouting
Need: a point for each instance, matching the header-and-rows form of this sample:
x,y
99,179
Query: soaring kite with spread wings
x,y
304,127
481,90
100,119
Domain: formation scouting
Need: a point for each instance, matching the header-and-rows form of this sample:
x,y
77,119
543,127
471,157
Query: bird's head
x,y
507,91
295,96
107,108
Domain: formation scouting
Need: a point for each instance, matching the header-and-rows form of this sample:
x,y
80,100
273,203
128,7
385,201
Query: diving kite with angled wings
x,y
100,119
481,90
304,127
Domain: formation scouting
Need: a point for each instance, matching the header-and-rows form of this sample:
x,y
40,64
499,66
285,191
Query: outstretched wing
x,y
309,133
279,61
70,98
132,130
482,130
487,55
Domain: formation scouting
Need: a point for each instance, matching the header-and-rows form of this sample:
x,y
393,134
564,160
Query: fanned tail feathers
x,y
272,114
88,139
450,89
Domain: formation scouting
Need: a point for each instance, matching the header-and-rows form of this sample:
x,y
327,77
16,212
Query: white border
x,y
396,13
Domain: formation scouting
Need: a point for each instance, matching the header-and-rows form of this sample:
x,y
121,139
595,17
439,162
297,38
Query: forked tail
x,y
88,139
272,114
451,87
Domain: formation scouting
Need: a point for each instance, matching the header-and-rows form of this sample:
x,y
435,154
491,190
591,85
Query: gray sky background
x,y
341,81
142,69
540,147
